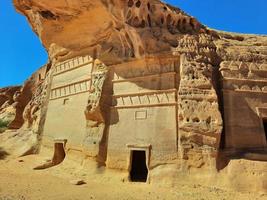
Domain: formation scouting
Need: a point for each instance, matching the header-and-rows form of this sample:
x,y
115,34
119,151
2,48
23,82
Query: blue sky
x,y
21,52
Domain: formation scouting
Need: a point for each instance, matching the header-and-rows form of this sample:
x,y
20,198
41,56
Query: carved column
x,y
95,117
199,117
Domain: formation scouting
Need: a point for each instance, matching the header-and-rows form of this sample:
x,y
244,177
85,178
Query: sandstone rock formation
x,y
7,106
21,109
139,81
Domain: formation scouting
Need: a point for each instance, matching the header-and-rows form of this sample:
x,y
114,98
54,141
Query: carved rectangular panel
x,y
140,115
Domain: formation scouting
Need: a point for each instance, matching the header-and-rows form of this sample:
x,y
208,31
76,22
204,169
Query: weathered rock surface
x,y
7,106
23,111
142,76
120,30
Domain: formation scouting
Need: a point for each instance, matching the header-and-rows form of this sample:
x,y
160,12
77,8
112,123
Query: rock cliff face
x,y
113,31
8,112
20,113
141,75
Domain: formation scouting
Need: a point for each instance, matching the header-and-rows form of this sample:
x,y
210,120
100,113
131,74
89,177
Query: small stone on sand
x,y
77,182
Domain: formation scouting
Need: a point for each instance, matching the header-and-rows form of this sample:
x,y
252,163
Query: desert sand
x,y
20,182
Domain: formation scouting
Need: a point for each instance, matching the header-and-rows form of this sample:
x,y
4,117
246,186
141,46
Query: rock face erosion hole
x,y
139,169
48,15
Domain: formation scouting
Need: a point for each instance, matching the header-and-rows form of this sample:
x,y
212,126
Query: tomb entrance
x,y
139,169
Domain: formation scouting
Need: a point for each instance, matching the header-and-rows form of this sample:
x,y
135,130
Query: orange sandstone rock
x,y
140,84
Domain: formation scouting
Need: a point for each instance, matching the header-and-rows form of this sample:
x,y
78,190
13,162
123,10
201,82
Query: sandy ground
x,y
18,181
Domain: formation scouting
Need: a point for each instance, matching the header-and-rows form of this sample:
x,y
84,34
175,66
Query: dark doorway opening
x,y
139,169
265,127
59,153
58,157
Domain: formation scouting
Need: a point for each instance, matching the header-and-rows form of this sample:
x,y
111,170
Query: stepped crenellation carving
x,y
71,64
239,65
70,89
249,77
145,99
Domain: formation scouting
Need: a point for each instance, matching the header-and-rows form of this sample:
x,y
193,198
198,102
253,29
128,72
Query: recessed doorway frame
x,y
263,121
262,113
61,141
139,147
